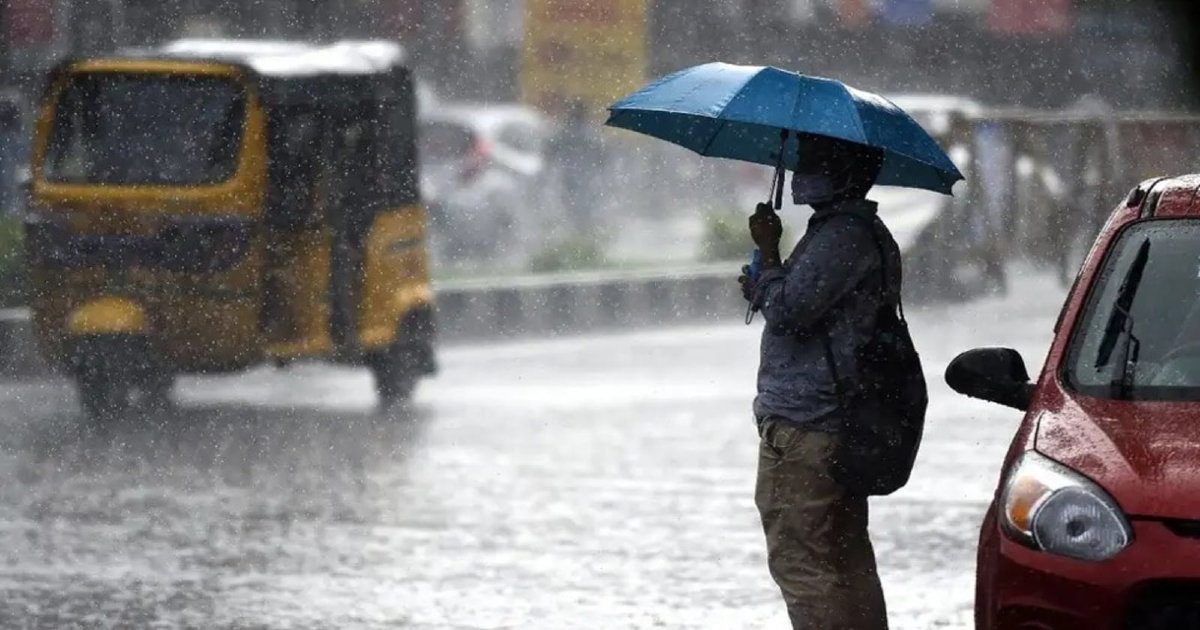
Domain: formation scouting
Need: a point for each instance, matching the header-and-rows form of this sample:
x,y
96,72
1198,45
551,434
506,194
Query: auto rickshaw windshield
x,y
132,129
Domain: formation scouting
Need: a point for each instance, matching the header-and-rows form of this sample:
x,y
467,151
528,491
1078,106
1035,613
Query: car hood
x,y
1147,455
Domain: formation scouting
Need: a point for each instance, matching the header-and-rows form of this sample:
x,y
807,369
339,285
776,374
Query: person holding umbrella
x,y
841,399
818,548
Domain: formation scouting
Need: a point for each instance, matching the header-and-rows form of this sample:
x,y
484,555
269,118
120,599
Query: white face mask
x,y
808,189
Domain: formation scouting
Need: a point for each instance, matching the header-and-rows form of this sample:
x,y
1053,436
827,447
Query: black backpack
x,y
884,403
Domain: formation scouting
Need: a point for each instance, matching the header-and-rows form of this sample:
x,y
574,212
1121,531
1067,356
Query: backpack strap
x,y
888,297
838,390
888,300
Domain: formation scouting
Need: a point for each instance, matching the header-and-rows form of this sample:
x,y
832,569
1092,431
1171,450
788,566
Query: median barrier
x,y
539,306
534,306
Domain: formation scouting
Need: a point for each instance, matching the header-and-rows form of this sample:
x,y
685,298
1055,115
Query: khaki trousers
x,y
818,549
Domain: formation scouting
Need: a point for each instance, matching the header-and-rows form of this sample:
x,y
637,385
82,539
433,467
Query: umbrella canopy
x,y
739,112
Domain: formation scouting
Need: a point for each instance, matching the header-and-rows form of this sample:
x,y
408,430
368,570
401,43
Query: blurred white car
x,y
426,98
480,166
934,111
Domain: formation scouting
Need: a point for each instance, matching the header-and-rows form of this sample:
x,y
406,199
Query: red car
x,y
1096,520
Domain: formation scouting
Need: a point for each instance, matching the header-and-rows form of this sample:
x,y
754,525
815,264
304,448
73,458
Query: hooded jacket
x,y
832,283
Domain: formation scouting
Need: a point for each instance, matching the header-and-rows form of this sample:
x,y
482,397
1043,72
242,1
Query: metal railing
x,y
1040,184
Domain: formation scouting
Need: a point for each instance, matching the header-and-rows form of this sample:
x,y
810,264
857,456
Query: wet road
x,y
585,483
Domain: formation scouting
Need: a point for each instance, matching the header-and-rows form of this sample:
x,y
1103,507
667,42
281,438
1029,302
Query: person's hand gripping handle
x,y
765,229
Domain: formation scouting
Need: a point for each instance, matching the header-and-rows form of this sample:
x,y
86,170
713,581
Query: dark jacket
x,y
831,282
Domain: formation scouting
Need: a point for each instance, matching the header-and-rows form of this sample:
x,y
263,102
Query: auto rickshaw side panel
x,y
397,275
398,302
301,326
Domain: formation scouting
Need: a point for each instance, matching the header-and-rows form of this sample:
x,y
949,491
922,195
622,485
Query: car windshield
x,y
126,129
1139,334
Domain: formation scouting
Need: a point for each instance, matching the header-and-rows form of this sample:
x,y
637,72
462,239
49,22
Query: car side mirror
x,y
993,374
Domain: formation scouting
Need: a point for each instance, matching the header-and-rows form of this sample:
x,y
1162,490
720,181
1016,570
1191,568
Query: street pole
x,y
67,22
116,13
5,47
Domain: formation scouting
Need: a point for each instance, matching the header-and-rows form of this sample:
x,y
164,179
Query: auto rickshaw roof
x,y
296,72
285,59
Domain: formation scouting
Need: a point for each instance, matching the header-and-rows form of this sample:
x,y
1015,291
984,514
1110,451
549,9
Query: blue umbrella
x,y
739,112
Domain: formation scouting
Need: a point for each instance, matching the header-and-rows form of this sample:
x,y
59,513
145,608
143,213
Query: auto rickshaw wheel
x,y
398,369
156,391
103,398
395,374
113,372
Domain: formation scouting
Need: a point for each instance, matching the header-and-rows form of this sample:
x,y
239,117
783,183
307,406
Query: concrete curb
x,y
556,305
548,305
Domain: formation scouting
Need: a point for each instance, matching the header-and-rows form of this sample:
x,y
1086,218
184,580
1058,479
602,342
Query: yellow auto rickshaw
x,y
210,205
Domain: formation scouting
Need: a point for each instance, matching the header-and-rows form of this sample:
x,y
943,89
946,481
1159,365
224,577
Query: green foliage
x,y
12,262
727,237
572,254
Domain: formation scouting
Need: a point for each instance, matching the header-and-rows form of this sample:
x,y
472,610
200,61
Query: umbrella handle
x,y
778,187
776,196
777,182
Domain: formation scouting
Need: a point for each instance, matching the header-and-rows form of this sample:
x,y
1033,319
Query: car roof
x,y
934,103
483,116
284,58
1170,197
934,111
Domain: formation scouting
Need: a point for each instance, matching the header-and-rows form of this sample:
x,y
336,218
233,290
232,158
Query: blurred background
x,y
1042,53
513,91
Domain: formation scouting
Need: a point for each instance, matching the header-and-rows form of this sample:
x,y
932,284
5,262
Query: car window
x,y
1143,306
523,137
444,142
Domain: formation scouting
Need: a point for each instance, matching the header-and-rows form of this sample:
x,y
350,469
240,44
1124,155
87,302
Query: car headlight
x,y
1052,508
